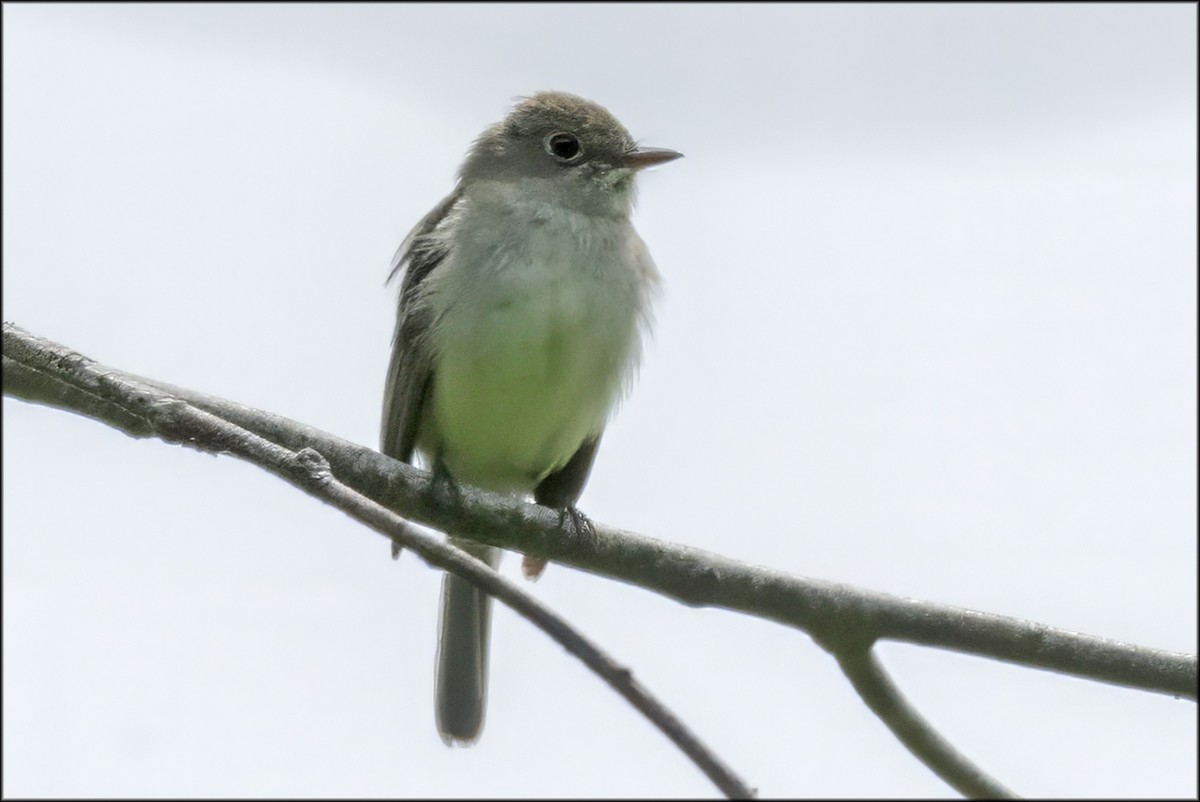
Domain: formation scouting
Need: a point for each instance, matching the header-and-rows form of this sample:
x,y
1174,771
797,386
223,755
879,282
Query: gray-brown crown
x,y
517,143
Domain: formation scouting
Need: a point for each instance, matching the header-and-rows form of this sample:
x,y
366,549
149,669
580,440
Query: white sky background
x,y
928,327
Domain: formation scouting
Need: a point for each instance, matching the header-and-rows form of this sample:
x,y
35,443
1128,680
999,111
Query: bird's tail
x,y
464,628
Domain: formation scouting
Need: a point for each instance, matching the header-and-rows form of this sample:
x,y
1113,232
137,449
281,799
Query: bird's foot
x,y
574,524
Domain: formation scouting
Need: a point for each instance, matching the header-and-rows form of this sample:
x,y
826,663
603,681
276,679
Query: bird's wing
x,y
562,488
411,368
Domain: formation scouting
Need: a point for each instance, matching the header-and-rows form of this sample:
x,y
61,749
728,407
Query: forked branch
x,y
845,620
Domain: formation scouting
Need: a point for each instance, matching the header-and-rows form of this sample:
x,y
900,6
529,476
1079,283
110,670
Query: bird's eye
x,y
564,147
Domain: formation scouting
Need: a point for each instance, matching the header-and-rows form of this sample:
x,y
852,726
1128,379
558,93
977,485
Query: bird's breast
x,y
534,341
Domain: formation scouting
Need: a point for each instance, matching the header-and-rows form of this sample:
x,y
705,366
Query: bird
x,y
525,300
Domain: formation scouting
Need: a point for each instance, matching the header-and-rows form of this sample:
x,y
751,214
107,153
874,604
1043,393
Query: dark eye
x,y
564,147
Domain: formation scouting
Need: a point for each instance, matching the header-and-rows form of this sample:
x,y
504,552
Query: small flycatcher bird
x,y
525,296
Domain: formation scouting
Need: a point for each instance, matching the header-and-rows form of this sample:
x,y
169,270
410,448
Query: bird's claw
x,y
574,524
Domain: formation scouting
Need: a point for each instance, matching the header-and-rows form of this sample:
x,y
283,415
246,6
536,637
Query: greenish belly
x,y
514,402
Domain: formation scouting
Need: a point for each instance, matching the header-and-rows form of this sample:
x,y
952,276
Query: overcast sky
x,y
928,326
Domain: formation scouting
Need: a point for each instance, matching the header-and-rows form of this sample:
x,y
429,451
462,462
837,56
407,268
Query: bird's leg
x,y
443,488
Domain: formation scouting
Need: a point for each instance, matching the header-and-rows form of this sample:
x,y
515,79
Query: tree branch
x,y
843,619
867,675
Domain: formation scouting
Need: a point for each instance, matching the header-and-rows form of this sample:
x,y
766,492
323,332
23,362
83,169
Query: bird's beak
x,y
638,158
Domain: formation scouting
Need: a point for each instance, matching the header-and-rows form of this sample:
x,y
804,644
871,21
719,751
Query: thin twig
x,y
867,675
148,409
441,555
